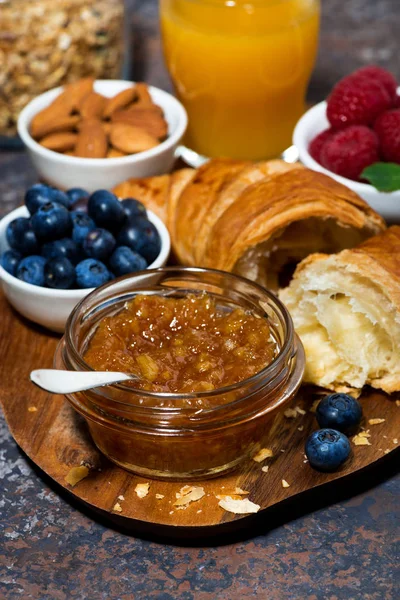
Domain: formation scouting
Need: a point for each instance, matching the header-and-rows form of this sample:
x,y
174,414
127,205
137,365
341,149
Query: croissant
x,y
346,310
258,220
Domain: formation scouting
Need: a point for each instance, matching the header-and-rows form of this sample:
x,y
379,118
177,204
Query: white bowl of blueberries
x,y
60,245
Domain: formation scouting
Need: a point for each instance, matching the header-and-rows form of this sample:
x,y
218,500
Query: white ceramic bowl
x,y
311,124
97,173
49,307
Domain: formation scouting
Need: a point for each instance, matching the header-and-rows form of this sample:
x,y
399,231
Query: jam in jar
x,y
182,345
216,357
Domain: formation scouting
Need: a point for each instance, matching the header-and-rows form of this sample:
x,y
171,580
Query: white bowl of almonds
x,y
95,134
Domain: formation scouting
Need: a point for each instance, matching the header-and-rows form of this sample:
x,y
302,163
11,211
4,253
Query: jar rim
x,y
270,368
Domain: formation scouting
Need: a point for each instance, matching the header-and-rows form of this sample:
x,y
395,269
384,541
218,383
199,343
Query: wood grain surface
x,y
56,439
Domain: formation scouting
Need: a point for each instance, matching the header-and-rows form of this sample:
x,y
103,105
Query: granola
x,y
45,43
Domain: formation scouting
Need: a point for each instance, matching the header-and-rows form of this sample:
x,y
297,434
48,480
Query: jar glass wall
x,y
178,440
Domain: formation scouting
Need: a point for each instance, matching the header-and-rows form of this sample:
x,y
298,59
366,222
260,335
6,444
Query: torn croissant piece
x,y
255,219
346,310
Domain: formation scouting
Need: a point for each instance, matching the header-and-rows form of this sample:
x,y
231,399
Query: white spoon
x,y
68,382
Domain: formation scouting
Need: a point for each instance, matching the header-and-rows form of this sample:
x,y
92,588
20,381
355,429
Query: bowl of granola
x,y
97,134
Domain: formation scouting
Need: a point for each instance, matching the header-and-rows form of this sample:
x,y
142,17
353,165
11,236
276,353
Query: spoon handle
x,y
68,382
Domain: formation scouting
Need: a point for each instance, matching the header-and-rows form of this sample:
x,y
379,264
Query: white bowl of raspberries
x,y
60,246
355,138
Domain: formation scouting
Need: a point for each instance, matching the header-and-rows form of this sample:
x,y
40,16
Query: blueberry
x,y
65,248
142,237
327,449
41,194
124,260
81,205
99,244
133,208
91,273
339,411
51,221
106,210
21,236
59,273
81,225
75,195
31,270
10,261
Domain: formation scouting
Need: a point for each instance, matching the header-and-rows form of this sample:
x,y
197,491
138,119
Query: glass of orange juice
x,y
241,69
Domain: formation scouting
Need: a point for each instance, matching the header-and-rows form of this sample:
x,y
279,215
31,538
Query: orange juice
x,y
241,69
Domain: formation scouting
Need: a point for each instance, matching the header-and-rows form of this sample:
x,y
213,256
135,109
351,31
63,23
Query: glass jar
x,y
131,428
46,43
241,69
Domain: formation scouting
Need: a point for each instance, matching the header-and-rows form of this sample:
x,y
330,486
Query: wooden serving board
x,y
56,439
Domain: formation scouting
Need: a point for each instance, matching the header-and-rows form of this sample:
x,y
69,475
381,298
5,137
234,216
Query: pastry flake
x,y
76,474
142,489
238,507
262,455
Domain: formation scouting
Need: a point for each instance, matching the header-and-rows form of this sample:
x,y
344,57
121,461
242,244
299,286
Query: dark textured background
x,y
341,544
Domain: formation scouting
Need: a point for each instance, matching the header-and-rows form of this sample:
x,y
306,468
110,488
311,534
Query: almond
x,y
54,124
92,141
75,92
92,106
130,139
106,128
148,118
59,142
119,101
113,153
142,91
48,115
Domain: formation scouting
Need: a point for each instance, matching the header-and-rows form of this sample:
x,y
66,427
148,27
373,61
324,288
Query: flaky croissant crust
x,y
219,214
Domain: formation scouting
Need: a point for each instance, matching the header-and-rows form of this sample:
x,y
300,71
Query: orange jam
x,y
182,345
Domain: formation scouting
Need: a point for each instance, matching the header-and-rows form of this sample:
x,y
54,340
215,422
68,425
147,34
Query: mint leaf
x,y
384,176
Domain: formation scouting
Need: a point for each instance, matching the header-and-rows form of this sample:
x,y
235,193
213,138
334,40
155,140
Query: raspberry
x,y
349,151
387,128
379,74
318,142
356,101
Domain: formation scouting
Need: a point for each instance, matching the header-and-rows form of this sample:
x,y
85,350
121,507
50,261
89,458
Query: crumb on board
x,y
236,494
121,497
299,410
285,484
361,439
387,451
241,492
397,402
199,511
117,507
159,496
263,454
76,474
300,428
142,489
395,441
314,406
375,421
188,494
265,469
32,409
290,413
171,512
240,506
